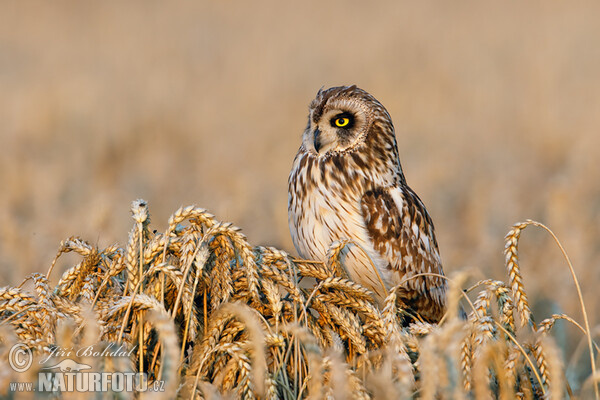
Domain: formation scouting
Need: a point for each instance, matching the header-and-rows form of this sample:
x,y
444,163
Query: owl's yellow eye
x,y
342,122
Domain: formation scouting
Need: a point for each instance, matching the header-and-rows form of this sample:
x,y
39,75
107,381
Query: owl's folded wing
x,y
402,232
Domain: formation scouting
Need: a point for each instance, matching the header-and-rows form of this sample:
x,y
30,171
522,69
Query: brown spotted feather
x,y
404,236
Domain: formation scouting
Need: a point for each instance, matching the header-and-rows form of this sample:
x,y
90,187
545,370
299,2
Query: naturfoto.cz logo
x,y
68,375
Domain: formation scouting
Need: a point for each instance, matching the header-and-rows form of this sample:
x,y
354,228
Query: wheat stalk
x,y
514,272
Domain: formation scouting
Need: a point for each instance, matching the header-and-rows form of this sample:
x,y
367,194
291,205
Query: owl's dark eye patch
x,y
343,120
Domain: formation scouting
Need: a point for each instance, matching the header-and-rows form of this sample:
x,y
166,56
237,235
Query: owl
x,y
347,183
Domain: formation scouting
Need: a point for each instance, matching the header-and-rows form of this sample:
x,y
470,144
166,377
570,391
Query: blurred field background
x,y
496,108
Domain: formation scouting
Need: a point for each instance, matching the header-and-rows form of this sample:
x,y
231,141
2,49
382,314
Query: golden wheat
x,y
210,315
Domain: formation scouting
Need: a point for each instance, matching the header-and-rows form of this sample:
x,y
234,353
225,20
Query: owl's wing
x,y
402,232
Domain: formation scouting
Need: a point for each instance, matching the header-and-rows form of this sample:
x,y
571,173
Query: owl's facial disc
x,y
336,130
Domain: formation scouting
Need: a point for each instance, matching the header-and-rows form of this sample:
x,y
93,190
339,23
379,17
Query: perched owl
x,y
347,183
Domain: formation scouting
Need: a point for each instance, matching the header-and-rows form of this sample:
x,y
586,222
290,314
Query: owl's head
x,y
340,118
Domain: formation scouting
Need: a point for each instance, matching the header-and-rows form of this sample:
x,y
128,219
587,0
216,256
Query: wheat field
x,y
209,315
496,109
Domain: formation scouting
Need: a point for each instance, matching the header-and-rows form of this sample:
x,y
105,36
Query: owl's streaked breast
x,y
324,208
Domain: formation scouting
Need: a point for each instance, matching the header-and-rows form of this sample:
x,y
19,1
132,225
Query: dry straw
x,y
212,316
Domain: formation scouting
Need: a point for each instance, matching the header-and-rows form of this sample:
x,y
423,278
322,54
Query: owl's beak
x,y
317,140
